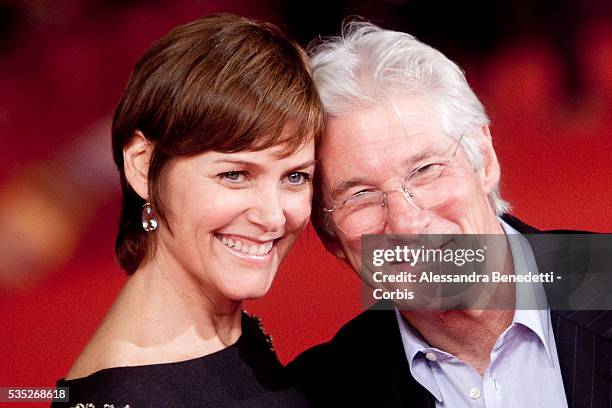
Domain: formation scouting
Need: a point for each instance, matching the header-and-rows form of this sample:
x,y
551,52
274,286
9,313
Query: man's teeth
x,y
246,248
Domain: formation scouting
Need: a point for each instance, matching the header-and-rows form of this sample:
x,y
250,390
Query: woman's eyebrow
x,y
259,165
306,164
234,161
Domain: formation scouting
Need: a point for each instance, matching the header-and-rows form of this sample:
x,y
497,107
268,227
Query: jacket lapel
x,y
583,338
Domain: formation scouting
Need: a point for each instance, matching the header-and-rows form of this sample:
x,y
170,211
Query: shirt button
x,y
474,393
431,356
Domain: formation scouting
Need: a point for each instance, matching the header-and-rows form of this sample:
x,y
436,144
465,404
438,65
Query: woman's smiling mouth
x,y
245,248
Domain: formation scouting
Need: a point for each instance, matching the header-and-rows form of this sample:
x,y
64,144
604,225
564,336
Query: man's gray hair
x,y
368,65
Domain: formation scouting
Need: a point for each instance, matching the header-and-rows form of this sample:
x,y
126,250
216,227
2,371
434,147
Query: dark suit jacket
x,y
365,365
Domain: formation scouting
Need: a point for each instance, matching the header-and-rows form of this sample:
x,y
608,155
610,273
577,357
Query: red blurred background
x,y
544,74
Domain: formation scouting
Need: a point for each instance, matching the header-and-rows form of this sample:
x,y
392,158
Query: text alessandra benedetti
x,y
493,277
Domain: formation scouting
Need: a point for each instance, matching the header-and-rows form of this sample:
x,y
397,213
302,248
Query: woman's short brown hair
x,y
222,83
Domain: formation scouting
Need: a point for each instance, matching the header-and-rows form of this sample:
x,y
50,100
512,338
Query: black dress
x,y
246,374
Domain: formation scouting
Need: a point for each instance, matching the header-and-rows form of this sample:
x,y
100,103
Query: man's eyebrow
x,y
425,154
355,181
346,185
420,156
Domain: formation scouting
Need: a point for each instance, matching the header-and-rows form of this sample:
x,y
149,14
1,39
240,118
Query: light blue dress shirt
x,y
524,367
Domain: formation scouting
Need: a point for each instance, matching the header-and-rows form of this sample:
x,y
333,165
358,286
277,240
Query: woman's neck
x,y
162,315
172,302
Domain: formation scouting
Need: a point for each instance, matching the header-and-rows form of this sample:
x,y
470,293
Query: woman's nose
x,y
268,211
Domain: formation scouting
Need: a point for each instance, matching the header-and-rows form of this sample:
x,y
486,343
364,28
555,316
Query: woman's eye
x,y
233,176
298,178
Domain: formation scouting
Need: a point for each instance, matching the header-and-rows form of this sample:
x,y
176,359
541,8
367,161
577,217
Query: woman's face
x,y
234,217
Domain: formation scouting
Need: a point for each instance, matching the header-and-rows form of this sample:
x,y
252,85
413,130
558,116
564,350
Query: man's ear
x,y
136,159
490,171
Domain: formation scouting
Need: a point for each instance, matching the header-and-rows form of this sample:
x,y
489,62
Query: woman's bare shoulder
x,y
104,350
110,346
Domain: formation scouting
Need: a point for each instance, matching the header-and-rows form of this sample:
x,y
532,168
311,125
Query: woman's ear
x,y
136,159
490,172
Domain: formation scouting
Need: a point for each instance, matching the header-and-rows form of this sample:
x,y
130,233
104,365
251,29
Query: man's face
x,y
376,149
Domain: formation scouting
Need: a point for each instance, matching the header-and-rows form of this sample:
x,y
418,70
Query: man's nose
x,y
404,216
267,211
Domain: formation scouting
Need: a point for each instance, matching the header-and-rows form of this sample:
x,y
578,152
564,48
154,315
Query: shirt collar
x,y
537,320
413,345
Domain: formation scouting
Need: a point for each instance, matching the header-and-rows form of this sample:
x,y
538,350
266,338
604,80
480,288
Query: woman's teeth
x,y
251,249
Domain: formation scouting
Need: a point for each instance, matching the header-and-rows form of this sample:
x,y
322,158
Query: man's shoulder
x,y
365,341
355,365
525,228
596,323
364,333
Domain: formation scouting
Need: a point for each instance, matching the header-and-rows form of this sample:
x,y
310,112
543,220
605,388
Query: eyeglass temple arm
x,y
457,146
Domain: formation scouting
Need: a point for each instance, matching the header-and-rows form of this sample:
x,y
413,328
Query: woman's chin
x,y
251,291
